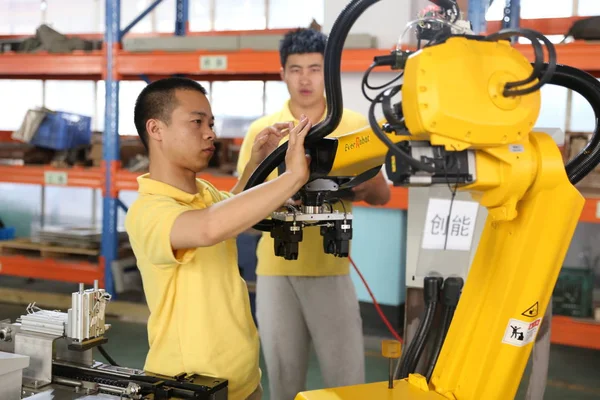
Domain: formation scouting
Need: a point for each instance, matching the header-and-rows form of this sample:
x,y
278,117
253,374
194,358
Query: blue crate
x,y
7,233
62,130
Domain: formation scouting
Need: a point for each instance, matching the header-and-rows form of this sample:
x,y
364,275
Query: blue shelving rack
x,y
113,36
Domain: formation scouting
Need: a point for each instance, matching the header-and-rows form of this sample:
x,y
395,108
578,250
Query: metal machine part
x,y
335,227
456,167
58,348
86,318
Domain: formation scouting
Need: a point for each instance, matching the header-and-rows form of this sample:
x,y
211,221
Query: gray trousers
x,y
294,311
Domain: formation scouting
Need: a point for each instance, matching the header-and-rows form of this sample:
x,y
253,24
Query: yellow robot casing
x,y
452,96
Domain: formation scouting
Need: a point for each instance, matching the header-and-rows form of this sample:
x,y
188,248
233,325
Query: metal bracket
x,y
40,349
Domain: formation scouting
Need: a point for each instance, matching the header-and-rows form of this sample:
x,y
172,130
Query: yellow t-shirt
x,y
200,319
312,260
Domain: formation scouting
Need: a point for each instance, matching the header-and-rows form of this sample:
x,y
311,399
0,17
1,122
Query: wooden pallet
x,y
25,246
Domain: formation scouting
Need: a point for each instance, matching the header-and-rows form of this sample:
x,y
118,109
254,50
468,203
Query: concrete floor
x,y
574,374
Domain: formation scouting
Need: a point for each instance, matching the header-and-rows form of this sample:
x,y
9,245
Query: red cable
x,y
379,311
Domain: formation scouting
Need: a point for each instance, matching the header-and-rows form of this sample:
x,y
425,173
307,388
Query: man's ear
x,y
154,129
282,73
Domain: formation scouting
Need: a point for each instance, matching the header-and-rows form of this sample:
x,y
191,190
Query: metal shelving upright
x,y
113,36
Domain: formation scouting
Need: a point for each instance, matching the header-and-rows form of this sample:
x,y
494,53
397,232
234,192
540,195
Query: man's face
x,y
188,141
303,75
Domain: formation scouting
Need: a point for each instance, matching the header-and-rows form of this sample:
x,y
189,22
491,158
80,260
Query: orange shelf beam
x,y
168,63
44,175
51,268
126,180
591,211
78,64
575,332
398,200
243,62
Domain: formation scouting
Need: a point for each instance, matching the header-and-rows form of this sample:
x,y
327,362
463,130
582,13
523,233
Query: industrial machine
x,y
462,117
47,355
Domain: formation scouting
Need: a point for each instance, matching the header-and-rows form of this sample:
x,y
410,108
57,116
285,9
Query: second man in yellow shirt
x,y
312,298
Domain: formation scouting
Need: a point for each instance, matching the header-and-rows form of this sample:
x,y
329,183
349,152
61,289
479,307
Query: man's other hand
x,y
267,141
296,161
375,191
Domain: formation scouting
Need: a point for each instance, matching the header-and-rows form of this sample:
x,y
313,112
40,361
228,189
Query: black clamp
x,y
336,238
286,235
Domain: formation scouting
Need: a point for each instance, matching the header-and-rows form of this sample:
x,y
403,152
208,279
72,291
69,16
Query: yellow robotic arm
x,y
466,117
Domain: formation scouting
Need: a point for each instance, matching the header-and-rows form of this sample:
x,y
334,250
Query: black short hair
x,y
301,41
158,101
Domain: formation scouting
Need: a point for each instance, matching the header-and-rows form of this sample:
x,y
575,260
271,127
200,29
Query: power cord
x,y
110,360
376,304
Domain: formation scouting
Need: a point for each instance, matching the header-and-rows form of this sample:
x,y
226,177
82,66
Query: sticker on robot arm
x,y
520,333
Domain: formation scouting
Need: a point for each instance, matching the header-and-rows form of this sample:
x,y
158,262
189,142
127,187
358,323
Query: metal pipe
x,y
476,14
138,18
181,17
111,141
67,381
122,205
512,16
5,335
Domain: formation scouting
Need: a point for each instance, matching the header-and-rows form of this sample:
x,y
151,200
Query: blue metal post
x,y
145,78
111,143
138,18
512,14
476,14
181,17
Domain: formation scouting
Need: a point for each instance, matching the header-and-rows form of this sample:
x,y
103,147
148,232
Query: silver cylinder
x,y
312,209
5,335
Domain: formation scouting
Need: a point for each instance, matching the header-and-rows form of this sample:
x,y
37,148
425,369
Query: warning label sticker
x,y
531,311
520,333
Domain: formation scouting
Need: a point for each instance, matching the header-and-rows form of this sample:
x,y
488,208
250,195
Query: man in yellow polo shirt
x,y
182,232
312,297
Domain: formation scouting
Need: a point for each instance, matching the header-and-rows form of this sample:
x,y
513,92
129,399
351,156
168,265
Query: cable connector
x,y
452,290
396,59
432,286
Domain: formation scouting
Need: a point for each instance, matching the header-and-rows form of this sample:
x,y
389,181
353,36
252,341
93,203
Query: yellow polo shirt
x,y
200,319
312,261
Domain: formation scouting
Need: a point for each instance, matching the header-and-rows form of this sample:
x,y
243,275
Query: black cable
x,y
391,145
538,72
107,356
365,81
421,340
368,72
450,296
439,340
587,86
453,191
537,49
409,361
394,118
